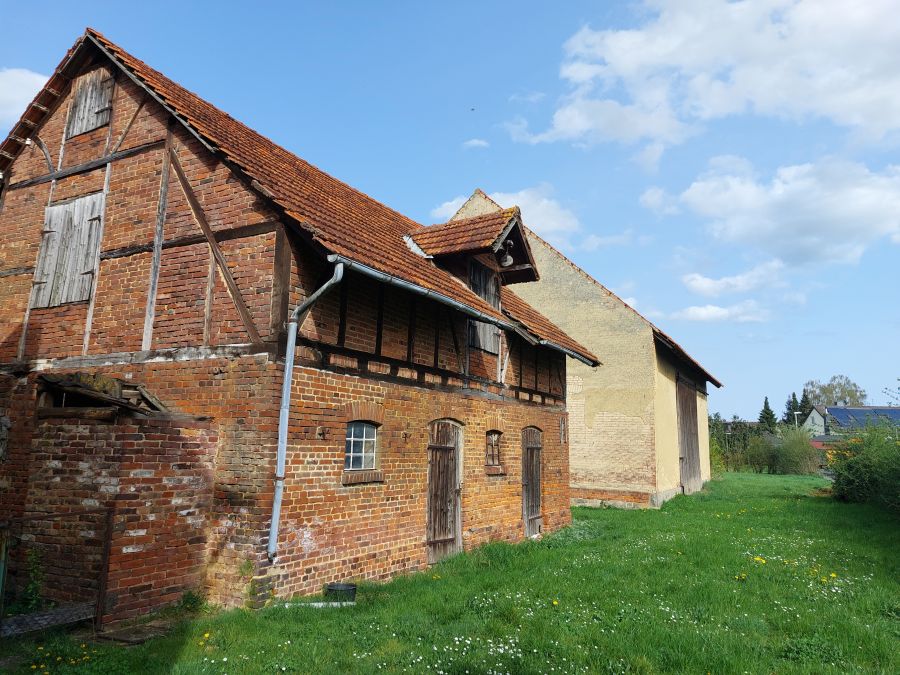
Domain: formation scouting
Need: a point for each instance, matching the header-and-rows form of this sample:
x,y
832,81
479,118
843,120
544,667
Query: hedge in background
x,y
867,467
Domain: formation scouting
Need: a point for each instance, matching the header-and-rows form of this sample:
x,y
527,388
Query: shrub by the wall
x,y
867,467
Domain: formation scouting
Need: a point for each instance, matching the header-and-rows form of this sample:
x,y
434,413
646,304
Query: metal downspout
x,y
284,411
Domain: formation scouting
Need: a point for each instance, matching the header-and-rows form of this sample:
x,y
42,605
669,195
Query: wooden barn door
x,y
688,436
443,524
531,481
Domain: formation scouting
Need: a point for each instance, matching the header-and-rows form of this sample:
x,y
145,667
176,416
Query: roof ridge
x,y
290,155
346,222
484,194
511,210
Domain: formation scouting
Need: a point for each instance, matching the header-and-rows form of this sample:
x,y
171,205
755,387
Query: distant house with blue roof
x,y
836,420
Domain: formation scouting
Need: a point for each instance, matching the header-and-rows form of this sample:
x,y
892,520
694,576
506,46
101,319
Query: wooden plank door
x,y
443,521
531,481
688,436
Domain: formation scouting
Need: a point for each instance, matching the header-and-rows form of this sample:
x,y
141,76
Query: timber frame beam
x,y
86,166
200,218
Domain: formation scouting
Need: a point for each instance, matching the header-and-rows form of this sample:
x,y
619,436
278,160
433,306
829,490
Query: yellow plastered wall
x,y
703,430
668,452
611,438
668,469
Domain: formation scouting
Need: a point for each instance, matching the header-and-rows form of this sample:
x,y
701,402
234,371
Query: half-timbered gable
x,y
158,254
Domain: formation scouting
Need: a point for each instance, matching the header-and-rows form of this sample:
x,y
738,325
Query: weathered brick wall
x,y
332,531
130,213
156,474
164,505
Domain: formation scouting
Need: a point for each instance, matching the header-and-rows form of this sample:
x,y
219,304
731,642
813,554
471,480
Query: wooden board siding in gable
x,y
90,102
71,243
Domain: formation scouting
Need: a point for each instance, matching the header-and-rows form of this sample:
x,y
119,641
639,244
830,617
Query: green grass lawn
x,y
756,574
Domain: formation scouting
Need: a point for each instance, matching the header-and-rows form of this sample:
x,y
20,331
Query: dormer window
x,y
486,284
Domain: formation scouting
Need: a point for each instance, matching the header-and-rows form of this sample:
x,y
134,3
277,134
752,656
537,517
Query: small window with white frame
x,y
361,445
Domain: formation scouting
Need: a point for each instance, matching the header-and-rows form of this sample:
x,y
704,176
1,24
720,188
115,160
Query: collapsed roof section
x,y
82,390
341,221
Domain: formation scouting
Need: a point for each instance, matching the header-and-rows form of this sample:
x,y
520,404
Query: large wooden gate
x,y
531,481
443,525
688,436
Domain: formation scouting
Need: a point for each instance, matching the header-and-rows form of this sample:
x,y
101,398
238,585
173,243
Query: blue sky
x,y
731,169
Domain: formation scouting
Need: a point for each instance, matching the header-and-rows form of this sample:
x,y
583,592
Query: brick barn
x,y
162,266
638,425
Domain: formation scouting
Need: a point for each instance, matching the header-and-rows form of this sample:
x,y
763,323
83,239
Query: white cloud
x,y
743,312
795,298
595,120
17,87
830,211
764,274
631,302
544,214
592,242
689,61
476,143
659,201
527,97
445,211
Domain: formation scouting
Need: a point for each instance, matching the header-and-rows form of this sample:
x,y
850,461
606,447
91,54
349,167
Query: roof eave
x,y
673,346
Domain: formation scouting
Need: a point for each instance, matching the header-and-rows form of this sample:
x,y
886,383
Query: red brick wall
x,y
371,531
130,221
597,496
164,507
157,476
330,531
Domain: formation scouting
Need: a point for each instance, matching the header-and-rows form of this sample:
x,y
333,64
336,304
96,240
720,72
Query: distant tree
x,y
893,395
767,418
791,406
839,390
806,405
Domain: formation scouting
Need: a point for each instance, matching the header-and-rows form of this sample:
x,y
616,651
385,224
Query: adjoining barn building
x,y
638,426
157,256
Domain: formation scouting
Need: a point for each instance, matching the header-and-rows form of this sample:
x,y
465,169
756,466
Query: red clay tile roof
x,y
467,234
343,220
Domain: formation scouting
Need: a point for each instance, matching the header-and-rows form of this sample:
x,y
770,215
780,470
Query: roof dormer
x,y
496,238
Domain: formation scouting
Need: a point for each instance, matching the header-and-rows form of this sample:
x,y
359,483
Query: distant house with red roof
x,y
638,428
